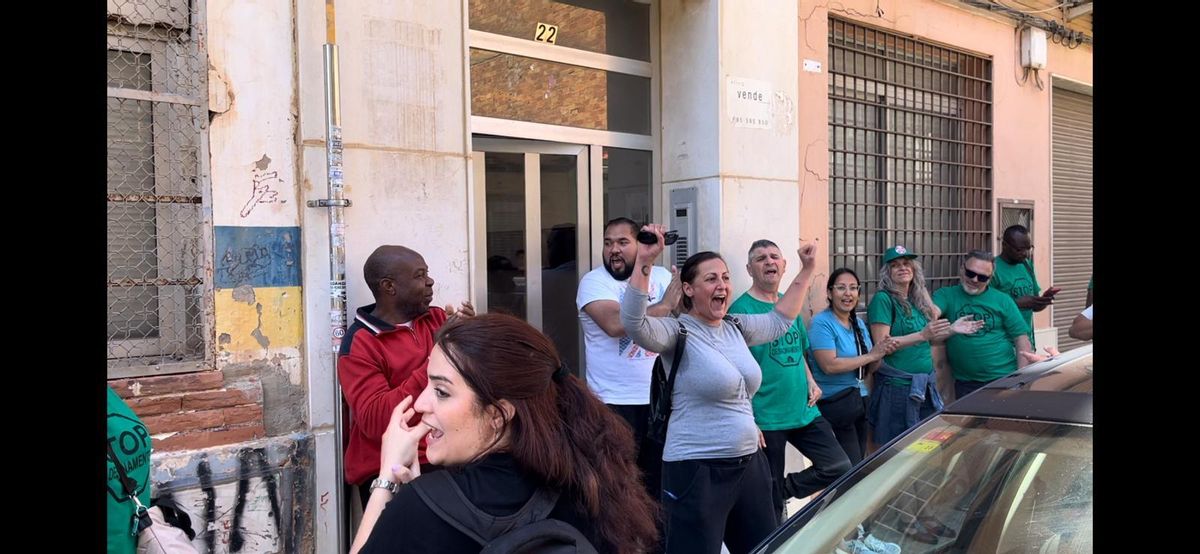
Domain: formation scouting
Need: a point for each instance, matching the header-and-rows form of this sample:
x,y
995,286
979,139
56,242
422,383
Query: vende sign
x,y
748,102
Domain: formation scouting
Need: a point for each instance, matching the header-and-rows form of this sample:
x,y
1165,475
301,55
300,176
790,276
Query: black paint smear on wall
x,y
257,458
272,486
236,541
204,472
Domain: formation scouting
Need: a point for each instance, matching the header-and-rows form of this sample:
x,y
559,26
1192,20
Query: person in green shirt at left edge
x,y
130,443
1015,276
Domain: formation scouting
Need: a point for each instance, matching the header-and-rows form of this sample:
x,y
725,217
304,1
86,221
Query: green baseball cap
x,y
897,252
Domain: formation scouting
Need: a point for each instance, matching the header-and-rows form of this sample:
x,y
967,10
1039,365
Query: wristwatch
x,y
381,483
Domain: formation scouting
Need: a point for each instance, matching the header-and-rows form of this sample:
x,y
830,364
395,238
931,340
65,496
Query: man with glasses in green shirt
x,y
991,352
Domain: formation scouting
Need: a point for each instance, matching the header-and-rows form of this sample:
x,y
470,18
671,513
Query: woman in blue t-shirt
x,y
842,356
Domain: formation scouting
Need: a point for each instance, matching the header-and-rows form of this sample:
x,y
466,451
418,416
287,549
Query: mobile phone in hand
x,y
647,237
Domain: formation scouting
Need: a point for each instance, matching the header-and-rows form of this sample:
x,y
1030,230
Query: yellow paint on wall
x,y
258,319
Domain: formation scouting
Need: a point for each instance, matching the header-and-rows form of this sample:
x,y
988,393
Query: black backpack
x,y
662,385
529,530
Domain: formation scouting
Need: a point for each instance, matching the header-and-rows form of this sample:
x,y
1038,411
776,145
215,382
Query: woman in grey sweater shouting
x,y
716,482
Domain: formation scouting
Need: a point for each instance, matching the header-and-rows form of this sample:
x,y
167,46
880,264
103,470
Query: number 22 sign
x,y
546,33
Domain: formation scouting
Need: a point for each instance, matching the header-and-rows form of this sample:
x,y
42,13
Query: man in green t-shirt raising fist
x,y
991,352
785,406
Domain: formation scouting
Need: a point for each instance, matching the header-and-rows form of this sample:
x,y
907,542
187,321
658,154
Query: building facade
x,y
495,137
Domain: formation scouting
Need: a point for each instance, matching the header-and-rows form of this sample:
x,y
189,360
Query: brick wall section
x,y
195,410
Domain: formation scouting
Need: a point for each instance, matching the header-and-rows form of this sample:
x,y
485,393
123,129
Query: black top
x,y
494,484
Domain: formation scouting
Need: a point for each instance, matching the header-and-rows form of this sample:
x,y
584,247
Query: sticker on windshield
x,y
923,445
939,436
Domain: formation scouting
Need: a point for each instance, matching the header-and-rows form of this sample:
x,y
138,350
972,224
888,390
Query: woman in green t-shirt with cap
x,y
903,310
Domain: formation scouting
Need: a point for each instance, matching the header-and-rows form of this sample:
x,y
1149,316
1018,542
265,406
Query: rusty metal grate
x,y
910,151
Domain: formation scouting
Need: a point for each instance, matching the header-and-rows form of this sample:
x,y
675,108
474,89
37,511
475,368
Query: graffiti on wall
x,y
257,256
250,460
240,516
261,191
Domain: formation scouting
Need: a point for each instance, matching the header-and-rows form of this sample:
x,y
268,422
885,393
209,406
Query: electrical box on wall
x,y
1033,48
683,219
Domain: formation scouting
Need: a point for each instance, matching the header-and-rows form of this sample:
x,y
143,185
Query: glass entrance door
x,y
530,204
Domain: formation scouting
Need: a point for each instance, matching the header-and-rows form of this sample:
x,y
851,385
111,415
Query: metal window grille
x,y
910,151
157,149
1014,212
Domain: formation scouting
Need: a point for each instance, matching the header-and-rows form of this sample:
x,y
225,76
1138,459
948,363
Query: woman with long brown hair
x,y
505,416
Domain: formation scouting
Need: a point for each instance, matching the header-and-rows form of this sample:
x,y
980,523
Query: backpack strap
x,y
735,321
127,484
445,498
680,345
547,535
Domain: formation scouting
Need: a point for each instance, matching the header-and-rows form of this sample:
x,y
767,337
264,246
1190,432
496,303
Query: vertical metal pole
x,y
337,251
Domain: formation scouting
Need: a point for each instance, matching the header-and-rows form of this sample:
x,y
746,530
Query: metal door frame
x,y
585,206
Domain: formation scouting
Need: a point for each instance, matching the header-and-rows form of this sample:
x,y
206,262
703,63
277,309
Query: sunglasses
x,y
976,276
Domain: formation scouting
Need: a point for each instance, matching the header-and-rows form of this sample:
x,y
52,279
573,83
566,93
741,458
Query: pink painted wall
x,y
1021,112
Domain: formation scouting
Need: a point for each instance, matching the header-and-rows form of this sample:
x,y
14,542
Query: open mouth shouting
x,y
719,302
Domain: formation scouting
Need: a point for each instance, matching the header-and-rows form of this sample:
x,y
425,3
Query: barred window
x,y
910,135
157,125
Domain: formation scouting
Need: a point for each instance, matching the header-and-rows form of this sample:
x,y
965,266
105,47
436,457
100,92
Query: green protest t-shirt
x,y
884,309
1017,280
131,443
781,402
988,353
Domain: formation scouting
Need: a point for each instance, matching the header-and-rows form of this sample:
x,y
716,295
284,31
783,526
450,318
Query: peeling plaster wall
x,y
259,318
246,498
249,495
252,140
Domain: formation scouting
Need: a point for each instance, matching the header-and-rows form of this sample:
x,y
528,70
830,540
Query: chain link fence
x,y
157,117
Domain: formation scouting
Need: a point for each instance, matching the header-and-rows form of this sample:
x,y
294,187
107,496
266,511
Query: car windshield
x,y
961,484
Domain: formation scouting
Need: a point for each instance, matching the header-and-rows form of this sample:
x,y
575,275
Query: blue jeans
x,y
888,409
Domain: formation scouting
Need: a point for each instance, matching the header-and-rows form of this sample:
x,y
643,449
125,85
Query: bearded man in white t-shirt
x,y
618,371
